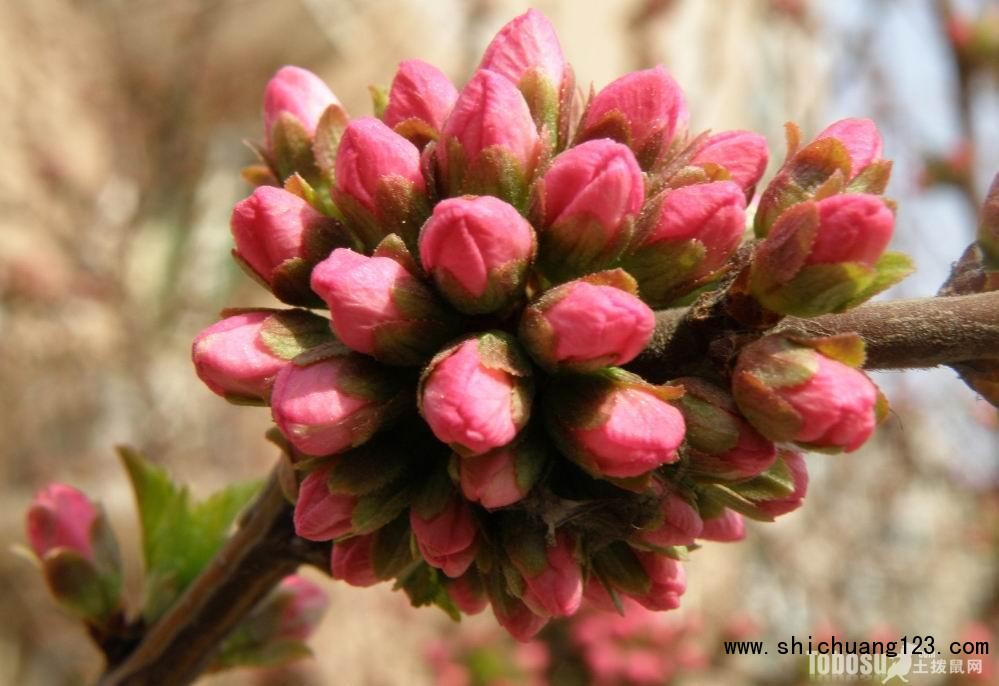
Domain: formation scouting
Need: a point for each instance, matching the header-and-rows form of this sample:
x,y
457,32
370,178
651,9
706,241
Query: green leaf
x,y
891,268
179,537
289,333
269,654
424,586
776,482
725,496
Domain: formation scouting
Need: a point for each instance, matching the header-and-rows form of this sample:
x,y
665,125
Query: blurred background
x,y
122,132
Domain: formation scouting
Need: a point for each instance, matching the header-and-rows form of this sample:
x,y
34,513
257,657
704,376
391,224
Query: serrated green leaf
x,y
891,268
179,537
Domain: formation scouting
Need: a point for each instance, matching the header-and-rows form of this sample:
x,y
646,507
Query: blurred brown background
x,y
122,126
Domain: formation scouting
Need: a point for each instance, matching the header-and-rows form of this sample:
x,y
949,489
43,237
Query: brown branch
x,y
900,334
262,552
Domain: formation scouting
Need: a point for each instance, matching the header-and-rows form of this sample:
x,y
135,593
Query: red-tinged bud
x,y
419,101
722,443
302,603
678,524
478,251
77,552
467,592
667,581
476,395
527,52
613,424
501,477
379,184
795,463
60,516
233,360
988,228
335,404
377,307
351,561
645,110
792,392
844,157
552,575
447,539
585,206
516,617
686,237
743,154
826,256
489,144
727,527
861,139
319,514
594,322
297,92
279,238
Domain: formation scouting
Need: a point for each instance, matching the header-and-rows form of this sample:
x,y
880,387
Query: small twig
x,y
899,334
263,551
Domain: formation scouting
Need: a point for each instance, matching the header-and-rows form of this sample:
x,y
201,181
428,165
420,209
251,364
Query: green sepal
x,y
368,468
543,101
580,245
289,333
496,171
424,586
291,148
725,496
392,552
889,270
77,585
773,484
329,131
504,286
872,179
620,568
666,270
377,509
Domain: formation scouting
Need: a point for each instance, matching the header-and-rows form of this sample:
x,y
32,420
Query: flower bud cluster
x,y
463,421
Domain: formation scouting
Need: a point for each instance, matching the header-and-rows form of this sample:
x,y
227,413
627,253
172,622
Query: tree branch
x,y
899,334
263,551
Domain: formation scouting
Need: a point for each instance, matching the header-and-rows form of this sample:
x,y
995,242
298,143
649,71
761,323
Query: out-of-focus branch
x,y
899,334
263,551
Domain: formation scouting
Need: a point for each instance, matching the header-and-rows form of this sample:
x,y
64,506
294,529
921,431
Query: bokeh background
x,y
122,128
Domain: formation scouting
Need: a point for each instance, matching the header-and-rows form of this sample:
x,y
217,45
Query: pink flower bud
x,y
588,200
727,527
712,214
582,325
351,561
625,432
489,127
60,516
273,226
721,442
477,250
332,405
667,582
476,395
518,619
679,524
555,581
378,308
799,473
319,514
419,92
836,406
525,43
447,540
792,393
370,152
501,477
853,227
298,92
861,139
303,605
231,358
644,110
467,592
379,184
742,153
